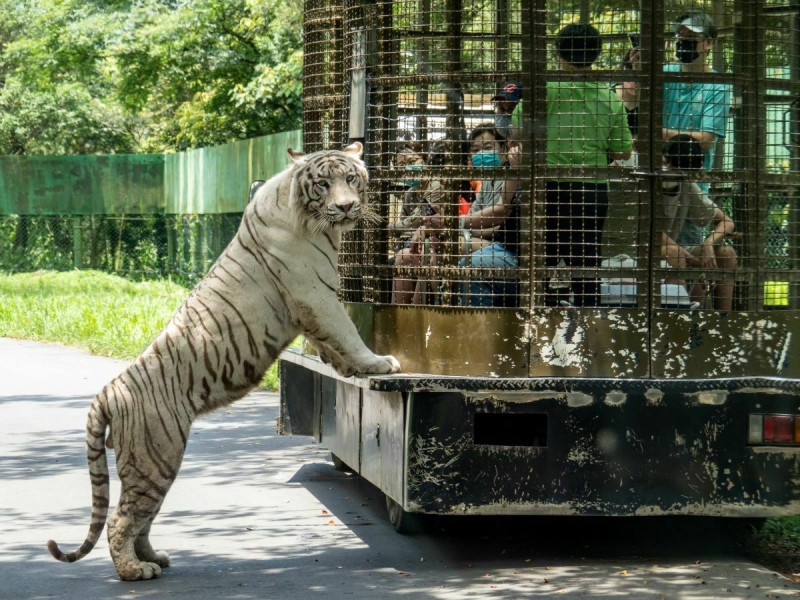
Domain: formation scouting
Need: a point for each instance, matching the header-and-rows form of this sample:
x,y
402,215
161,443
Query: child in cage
x,y
683,201
422,197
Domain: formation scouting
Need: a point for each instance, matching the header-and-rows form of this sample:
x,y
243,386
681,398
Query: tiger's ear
x,y
294,155
355,147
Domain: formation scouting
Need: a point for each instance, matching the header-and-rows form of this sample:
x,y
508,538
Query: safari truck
x,y
552,364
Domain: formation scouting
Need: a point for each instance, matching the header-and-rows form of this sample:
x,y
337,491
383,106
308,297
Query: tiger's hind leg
x,y
129,527
145,552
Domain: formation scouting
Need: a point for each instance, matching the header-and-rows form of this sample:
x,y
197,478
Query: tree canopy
x,y
87,76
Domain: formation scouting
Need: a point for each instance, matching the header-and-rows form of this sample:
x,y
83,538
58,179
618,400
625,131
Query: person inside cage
x,y
682,201
586,125
422,197
507,119
696,108
628,92
489,230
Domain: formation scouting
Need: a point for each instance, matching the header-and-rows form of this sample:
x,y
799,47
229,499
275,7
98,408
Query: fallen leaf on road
x,y
623,572
324,512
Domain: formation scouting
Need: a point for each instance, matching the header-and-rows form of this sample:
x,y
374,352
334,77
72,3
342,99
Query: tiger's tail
x,y
96,425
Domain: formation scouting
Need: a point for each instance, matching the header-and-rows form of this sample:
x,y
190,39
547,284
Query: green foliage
x,y
54,91
87,76
210,71
777,544
62,119
137,246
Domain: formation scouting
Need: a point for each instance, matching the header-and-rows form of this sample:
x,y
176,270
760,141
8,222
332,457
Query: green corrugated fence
x,y
216,180
141,216
204,181
82,185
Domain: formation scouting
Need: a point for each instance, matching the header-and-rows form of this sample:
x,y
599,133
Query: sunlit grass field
x,y
101,313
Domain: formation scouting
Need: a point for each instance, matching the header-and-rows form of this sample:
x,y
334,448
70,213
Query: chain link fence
x,y
180,247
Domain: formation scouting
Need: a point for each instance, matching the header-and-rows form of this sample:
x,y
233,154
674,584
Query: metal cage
x,y
568,271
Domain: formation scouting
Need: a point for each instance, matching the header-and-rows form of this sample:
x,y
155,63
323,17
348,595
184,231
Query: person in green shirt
x,y
586,126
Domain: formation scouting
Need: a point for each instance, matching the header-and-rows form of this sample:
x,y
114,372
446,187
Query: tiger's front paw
x,y
383,365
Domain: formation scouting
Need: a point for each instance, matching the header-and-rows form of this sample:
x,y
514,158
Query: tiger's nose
x,y
345,206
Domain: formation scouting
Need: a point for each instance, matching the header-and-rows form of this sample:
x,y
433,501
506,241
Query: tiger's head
x,y
328,189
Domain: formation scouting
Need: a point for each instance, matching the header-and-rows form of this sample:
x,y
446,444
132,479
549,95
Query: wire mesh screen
x,y
181,247
551,153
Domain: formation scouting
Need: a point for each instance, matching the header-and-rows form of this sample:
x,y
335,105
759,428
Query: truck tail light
x,y
773,429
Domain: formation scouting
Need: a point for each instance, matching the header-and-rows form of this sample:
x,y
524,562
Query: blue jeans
x,y
491,292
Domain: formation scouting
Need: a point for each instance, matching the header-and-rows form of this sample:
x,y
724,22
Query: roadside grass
x,y
776,544
104,314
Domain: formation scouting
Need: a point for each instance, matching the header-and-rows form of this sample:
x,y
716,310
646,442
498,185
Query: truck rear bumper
x,y
459,445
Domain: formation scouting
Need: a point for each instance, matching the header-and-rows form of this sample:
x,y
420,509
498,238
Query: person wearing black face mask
x,y
699,110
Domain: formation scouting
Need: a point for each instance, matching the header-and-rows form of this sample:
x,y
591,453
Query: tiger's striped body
x,y
276,279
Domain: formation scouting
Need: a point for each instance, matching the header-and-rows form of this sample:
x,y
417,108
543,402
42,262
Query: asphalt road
x,y
254,515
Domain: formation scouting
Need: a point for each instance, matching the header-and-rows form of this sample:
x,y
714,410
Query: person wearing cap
x,y
586,125
506,120
698,109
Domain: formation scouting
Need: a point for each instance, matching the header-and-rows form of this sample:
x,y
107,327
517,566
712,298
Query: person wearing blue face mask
x,y
419,196
490,228
422,196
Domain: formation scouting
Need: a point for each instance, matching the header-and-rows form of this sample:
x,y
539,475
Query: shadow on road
x,y
265,516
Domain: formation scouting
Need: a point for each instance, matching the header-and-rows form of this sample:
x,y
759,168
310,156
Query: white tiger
x,y
275,280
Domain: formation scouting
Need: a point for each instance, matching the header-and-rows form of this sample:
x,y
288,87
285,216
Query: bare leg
x,y
723,292
698,292
403,289
674,259
425,288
